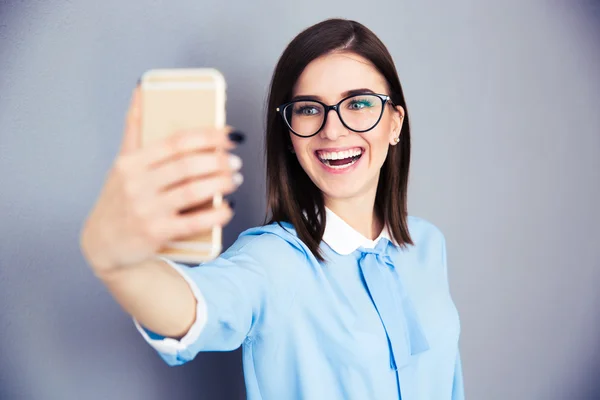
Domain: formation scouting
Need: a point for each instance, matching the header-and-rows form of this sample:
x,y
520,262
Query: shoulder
x,y
423,230
428,239
269,243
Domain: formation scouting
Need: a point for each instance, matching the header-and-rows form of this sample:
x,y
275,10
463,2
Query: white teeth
x,y
339,155
327,156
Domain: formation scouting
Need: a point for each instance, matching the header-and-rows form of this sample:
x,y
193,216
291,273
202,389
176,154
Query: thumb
x,y
132,134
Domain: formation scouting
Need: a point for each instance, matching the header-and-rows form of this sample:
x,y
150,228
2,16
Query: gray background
x,y
504,99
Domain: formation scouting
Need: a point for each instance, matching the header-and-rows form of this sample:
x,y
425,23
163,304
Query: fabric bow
x,y
397,313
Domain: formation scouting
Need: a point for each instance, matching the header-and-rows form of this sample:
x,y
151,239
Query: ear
x,y
396,126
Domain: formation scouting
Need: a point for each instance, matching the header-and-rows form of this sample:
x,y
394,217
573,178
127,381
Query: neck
x,y
359,213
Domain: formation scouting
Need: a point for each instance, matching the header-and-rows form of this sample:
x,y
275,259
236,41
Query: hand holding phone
x,y
164,192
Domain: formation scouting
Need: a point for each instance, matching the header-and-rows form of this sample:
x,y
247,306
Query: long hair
x,y
292,196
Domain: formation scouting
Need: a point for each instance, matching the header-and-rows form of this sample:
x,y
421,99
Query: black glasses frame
x,y
336,107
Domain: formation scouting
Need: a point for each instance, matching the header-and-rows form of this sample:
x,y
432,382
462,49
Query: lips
x,y
339,159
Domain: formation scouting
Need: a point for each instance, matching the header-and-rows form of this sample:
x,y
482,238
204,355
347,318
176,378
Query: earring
x,y
397,139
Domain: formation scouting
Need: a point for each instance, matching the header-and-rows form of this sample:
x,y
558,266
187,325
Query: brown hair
x,y
292,196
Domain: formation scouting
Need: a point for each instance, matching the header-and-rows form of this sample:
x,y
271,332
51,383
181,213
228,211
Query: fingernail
x,y
235,163
229,201
237,137
238,179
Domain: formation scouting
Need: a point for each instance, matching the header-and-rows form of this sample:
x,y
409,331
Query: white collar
x,y
344,239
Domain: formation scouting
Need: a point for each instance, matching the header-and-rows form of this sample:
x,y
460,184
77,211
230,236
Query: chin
x,y
342,190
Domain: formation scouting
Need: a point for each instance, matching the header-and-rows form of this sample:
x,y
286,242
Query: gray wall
x,y
505,109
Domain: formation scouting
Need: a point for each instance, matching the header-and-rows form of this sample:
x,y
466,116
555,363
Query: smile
x,y
340,159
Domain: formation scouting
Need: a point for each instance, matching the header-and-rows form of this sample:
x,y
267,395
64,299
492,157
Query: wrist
x,y
96,260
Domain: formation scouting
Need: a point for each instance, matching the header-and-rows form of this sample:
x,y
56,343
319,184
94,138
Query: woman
x,y
342,295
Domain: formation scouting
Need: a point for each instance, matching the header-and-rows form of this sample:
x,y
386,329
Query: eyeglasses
x,y
359,113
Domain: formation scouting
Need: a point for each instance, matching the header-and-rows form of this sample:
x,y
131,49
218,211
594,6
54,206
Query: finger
x,y
193,166
199,191
132,134
184,142
197,222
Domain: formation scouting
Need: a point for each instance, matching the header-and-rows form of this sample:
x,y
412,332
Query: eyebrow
x,y
345,94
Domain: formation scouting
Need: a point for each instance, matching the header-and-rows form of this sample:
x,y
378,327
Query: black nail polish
x,y
237,137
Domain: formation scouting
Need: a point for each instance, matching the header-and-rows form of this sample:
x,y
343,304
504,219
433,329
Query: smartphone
x,y
183,99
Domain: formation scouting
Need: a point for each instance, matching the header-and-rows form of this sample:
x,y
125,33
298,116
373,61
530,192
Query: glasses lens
x,y
361,112
304,117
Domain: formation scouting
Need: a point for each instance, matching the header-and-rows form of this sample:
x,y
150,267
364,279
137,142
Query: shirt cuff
x,y
170,346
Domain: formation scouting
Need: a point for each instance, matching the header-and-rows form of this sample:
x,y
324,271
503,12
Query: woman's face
x,y
342,163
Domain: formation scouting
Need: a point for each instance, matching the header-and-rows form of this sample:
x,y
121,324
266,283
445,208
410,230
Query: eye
x,y
306,110
360,103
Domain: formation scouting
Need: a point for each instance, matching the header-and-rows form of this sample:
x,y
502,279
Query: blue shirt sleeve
x,y
233,290
458,389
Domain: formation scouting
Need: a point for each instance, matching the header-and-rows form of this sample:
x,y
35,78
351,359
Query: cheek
x,y
386,126
378,141
301,148
296,144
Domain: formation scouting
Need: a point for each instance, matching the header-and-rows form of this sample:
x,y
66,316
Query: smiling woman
x,y
341,67
341,295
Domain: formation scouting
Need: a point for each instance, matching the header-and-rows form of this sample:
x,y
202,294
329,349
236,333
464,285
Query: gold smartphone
x,y
183,99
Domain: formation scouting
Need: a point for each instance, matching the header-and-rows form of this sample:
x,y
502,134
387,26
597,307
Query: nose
x,y
333,128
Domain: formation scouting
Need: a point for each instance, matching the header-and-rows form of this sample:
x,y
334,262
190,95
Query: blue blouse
x,y
374,321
